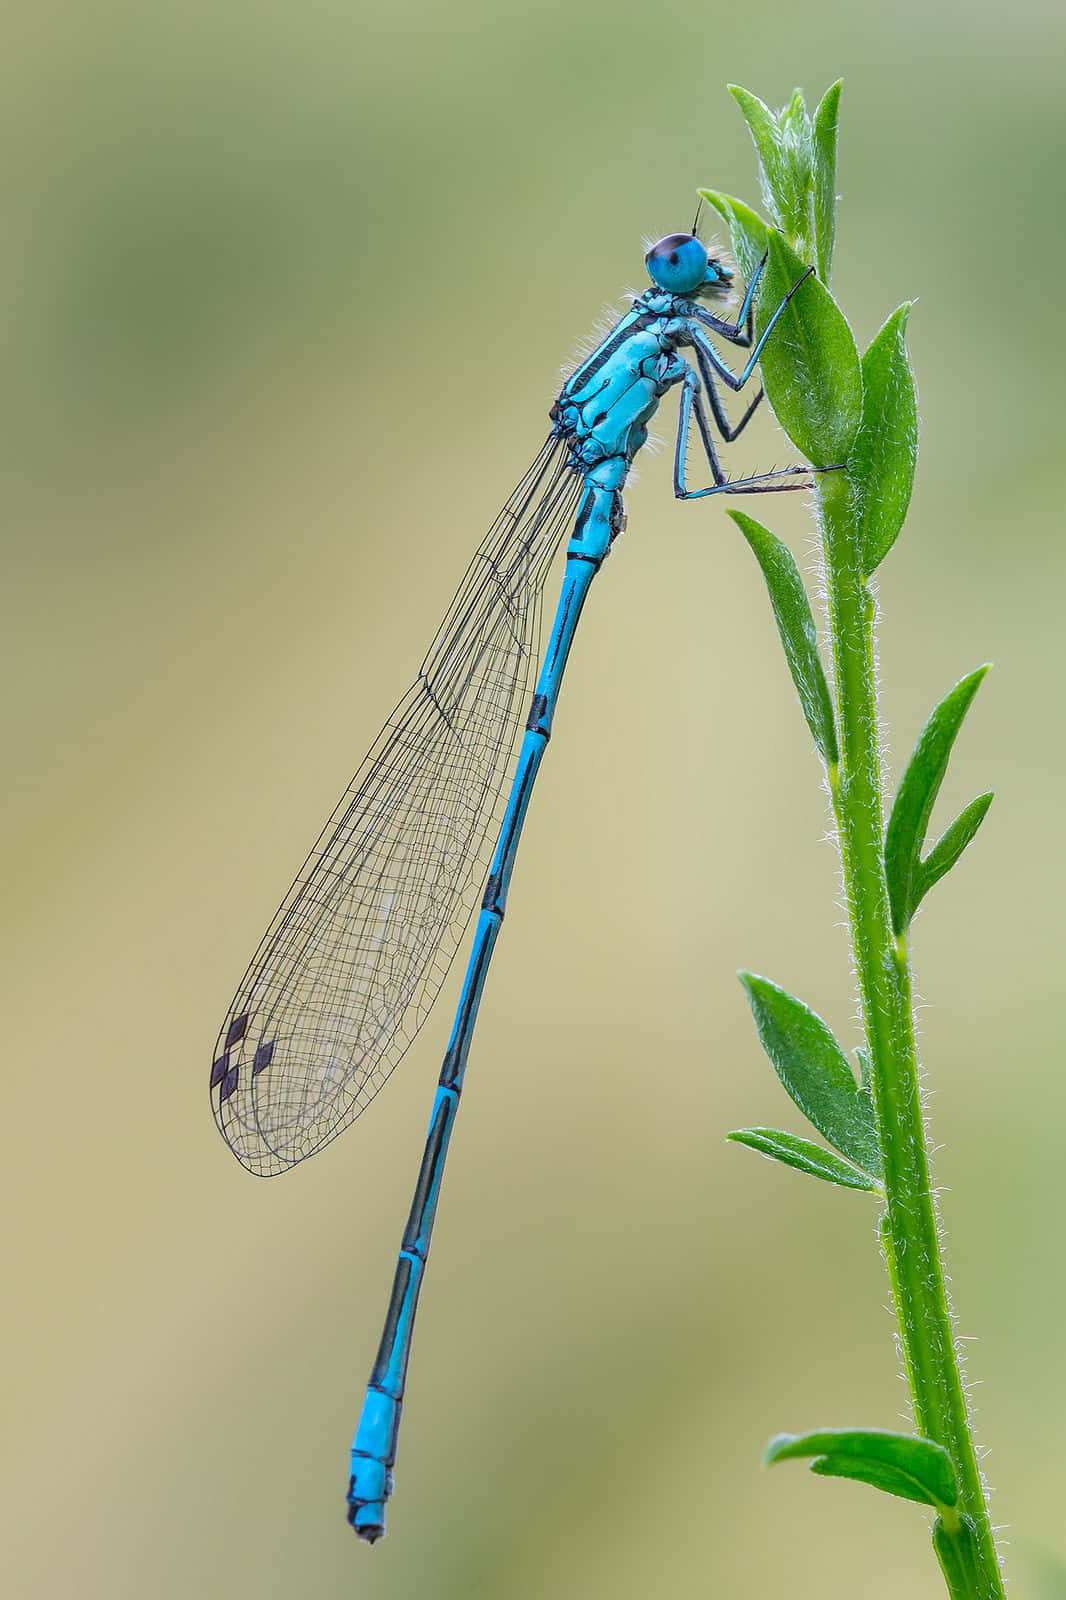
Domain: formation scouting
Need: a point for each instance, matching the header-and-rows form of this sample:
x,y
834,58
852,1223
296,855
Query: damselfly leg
x,y
728,430
760,483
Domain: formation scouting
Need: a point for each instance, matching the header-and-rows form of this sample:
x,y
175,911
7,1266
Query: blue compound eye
x,y
677,263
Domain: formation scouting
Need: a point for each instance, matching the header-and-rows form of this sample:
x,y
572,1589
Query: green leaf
x,y
814,1071
882,459
876,1473
803,1155
905,834
824,175
776,178
899,1463
810,365
948,848
863,1058
795,624
795,127
959,1555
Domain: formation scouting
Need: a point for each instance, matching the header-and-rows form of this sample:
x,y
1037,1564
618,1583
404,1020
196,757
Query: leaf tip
x,y
963,692
720,202
903,315
777,1447
747,525
968,686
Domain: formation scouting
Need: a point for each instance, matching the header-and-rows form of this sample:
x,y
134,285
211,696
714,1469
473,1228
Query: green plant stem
x,y
909,1227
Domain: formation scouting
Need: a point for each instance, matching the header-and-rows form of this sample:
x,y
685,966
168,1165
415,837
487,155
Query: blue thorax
x,y
605,406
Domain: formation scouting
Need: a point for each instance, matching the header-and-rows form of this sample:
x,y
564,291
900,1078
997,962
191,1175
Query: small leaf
x,y
863,1058
795,127
899,1463
876,1473
803,1155
793,117
959,1555
775,177
948,848
795,624
814,1071
810,365
882,459
824,160
905,834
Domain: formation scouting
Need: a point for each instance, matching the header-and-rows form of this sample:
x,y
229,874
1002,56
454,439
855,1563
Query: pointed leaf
x,y
795,624
948,848
776,175
814,1071
802,1154
882,459
824,154
900,1463
795,127
905,835
793,117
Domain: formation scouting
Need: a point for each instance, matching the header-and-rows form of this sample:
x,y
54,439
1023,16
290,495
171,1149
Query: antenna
x,y
696,223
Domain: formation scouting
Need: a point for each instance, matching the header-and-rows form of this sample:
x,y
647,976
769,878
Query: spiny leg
x,y
710,389
690,401
742,336
741,332
760,483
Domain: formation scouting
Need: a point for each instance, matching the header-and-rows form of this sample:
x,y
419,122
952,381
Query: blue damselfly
x,y
355,956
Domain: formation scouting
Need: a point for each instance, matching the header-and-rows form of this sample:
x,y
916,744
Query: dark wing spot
x,y
237,1030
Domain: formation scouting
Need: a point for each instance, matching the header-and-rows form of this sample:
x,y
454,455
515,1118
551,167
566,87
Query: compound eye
x,y
677,263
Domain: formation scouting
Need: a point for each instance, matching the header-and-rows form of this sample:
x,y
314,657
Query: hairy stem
x,y
909,1226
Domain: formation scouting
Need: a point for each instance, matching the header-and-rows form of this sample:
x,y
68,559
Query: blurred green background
x,y
284,290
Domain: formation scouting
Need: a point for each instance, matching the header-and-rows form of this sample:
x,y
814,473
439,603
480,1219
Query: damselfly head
x,y
680,264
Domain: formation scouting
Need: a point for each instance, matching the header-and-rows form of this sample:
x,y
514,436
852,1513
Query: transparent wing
x,y
352,962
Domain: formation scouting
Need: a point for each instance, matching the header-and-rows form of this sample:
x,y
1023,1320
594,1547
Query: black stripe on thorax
x,y
589,369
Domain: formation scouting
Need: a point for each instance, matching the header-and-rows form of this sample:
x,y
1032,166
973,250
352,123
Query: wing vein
x,y
357,952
